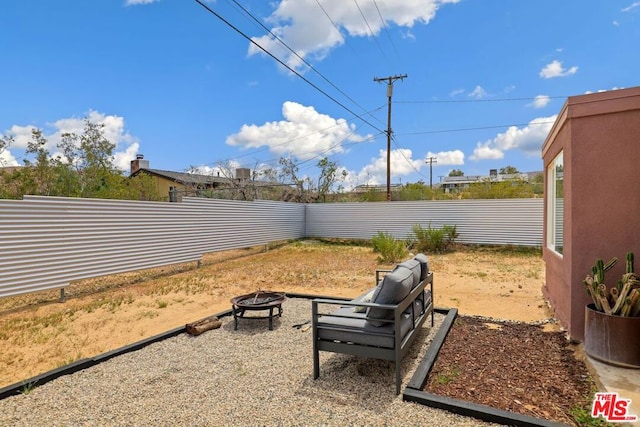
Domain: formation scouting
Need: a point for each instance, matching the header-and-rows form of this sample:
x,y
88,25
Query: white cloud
x,y
122,159
616,23
126,144
631,6
375,173
21,136
540,101
7,159
456,92
304,133
226,170
305,28
484,151
448,158
604,90
135,2
478,92
555,69
528,139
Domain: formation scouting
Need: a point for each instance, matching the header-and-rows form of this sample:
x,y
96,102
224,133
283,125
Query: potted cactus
x,y
612,321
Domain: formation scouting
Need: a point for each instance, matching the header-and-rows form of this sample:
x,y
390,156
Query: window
x,y
555,204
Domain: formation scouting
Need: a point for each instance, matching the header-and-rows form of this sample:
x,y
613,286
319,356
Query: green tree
x,y
499,190
417,191
508,170
85,169
456,172
5,143
329,177
91,155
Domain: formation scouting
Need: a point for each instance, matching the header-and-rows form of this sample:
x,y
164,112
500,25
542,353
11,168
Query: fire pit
x,y
257,301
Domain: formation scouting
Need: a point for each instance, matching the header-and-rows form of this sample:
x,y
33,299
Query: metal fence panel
x,y
47,242
496,221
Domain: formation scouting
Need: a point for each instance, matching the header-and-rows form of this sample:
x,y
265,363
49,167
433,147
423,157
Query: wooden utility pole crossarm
x,y
389,81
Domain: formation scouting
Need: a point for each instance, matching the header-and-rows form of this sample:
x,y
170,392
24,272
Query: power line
x,y
386,30
370,30
476,128
236,29
311,67
334,25
464,101
395,142
268,148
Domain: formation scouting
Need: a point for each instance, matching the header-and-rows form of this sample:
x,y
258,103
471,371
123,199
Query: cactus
x,y
622,299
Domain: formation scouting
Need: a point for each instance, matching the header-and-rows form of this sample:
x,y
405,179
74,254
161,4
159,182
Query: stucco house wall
x,y
599,135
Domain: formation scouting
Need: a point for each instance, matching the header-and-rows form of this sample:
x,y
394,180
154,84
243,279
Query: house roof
x,y
458,180
185,177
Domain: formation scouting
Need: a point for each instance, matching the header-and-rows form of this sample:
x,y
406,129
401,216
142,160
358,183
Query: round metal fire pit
x,y
257,301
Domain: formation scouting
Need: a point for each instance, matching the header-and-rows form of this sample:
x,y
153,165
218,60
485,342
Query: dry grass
x,y
38,333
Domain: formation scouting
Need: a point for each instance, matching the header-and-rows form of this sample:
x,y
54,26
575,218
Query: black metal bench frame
x,y
401,343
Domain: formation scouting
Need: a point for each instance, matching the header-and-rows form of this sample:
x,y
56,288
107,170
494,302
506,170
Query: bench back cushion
x,y
416,269
391,290
424,263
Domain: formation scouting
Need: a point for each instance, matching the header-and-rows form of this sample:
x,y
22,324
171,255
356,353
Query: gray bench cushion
x,y
424,263
415,267
356,329
392,290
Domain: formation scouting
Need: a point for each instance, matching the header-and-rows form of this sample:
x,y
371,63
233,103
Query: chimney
x,y
243,173
493,173
139,163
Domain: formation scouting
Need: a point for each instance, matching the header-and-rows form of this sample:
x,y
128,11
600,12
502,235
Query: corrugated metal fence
x,y
496,221
47,242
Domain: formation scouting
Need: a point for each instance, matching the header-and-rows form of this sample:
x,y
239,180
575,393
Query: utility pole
x,y
389,81
431,161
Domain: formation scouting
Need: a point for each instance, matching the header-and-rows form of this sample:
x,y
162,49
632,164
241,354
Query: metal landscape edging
x,y
413,392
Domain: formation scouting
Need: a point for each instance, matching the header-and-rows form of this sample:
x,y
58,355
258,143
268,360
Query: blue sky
x,y
171,80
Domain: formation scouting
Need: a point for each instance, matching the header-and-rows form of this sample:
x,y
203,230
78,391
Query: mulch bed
x,y
511,366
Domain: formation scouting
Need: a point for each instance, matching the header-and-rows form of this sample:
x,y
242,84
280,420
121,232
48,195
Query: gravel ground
x,y
251,376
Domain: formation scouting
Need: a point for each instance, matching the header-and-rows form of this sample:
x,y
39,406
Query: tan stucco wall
x,y
600,136
163,184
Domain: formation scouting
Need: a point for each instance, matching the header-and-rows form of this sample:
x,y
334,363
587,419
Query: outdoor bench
x,y
382,323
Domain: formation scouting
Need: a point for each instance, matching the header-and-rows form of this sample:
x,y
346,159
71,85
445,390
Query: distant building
x,y
173,185
452,184
365,188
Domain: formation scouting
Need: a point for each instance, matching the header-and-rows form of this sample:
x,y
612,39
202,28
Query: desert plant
x,y
390,249
434,239
622,299
27,388
450,234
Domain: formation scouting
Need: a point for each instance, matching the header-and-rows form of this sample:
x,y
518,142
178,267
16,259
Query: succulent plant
x,y
622,299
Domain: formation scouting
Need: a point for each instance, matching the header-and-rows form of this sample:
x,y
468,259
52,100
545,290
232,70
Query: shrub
x,y
434,239
390,249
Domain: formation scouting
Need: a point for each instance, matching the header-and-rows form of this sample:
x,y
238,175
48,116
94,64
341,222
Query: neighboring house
x,y
173,185
452,184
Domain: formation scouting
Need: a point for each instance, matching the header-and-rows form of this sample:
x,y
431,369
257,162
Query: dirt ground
x,y
38,333
516,367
